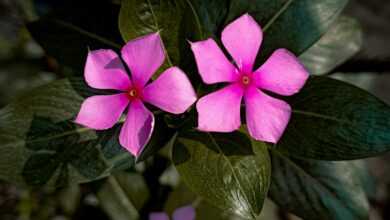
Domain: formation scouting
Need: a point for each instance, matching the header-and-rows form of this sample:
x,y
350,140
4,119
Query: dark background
x,y
23,65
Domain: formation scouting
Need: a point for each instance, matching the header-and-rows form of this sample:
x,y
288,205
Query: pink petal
x,y
104,70
220,110
144,56
213,65
137,129
158,216
282,73
184,213
242,38
172,91
102,112
266,117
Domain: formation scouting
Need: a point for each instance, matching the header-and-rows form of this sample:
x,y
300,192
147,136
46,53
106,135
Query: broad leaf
x,y
141,17
61,153
41,145
343,40
57,101
225,170
291,24
319,189
333,120
208,16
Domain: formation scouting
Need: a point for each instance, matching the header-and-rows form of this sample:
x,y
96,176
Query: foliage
x,y
332,120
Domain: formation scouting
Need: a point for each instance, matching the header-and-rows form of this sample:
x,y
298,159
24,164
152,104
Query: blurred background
x,y
23,65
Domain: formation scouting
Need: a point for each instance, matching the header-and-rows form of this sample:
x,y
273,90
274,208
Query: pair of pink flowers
x,y
266,117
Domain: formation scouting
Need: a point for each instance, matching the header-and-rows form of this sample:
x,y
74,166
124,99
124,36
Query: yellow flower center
x,y
133,93
245,80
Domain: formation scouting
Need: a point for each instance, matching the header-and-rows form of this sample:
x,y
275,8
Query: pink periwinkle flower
x,y
171,92
282,73
183,213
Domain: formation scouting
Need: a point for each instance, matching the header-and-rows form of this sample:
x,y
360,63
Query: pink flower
x,y
171,92
282,73
183,213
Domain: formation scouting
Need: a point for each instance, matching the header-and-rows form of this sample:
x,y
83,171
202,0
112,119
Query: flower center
x,y
133,93
245,80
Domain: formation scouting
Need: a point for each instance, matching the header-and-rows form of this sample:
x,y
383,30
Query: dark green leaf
x,y
42,123
41,131
37,136
343,40
141,17
319,190
40,168
113,151
225,170
86,158
57,145
333,120
209,17
291,24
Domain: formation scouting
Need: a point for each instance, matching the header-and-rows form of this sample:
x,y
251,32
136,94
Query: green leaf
x,y
333,120
58,101
226,170
41,145
343,40
67,31
41,131
141,17
208,17
291,24
115,202
113,151
319,190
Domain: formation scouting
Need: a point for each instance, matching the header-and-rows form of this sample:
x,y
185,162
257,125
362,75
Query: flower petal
x,y
137,129
158,216
212,64
282,73
184,213
144,56
220,110
266,117
102,112
242,38
172,91
104,70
